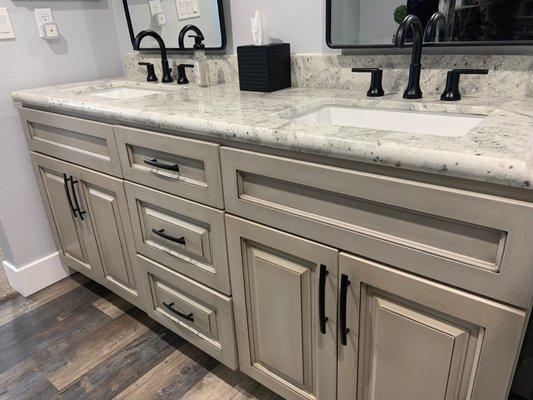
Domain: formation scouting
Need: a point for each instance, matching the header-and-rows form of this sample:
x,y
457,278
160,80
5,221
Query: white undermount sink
x,y
419,122
124,93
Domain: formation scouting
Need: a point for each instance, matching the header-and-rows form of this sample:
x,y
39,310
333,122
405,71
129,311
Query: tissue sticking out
x,y
259,29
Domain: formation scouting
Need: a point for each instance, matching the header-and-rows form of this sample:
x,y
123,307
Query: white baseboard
x,y
36,275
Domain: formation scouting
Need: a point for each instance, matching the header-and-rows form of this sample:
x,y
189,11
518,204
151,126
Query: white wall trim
x,y
36,275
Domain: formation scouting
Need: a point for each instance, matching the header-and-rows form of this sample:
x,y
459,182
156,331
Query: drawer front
x,y
187,237
469,240
87,143
195,312
184,167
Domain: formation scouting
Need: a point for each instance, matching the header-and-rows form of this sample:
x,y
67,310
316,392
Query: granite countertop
x,y
494,151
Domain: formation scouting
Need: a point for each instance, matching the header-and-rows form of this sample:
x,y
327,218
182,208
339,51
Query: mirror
x,y
373,23
168,17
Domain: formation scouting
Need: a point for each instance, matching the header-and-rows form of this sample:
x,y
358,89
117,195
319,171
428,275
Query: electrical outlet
x,y
43,16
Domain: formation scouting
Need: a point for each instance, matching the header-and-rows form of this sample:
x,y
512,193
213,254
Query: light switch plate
x,y
43,16
187,9
6,29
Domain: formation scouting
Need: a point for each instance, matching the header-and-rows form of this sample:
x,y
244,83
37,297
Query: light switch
x,y
187,9
6,29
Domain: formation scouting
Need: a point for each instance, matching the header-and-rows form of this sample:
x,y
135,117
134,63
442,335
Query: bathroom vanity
x,y
325,261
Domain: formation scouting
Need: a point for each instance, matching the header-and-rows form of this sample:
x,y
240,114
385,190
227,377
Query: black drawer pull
x,y
322,298
67,191
344,292
188,317
76,203
157,164
161,232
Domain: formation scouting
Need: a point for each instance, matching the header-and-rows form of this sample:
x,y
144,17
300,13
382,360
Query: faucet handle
x,y
151,77
376,78
182,74
451,92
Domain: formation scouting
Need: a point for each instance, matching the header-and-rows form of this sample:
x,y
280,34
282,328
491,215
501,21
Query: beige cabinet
x,y
403,337
285,303
89,218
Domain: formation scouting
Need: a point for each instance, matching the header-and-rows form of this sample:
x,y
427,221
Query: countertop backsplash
x,y
509,76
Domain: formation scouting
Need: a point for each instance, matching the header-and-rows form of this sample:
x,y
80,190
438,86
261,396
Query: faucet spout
x,y
183,32
430,33
412,22
167,77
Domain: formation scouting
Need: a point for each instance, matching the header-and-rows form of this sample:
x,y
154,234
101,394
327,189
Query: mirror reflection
x,y
169,17
374,22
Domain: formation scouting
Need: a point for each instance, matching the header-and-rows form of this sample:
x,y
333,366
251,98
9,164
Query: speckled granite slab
x,y
510,76
491,152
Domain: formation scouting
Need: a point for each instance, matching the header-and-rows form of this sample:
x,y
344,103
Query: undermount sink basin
x,y
427,123
124,93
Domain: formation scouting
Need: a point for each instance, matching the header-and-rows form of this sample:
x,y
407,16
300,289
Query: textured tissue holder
x,y
264,68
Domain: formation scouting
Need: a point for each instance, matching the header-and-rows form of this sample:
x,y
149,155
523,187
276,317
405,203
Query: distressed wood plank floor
x,y
77,340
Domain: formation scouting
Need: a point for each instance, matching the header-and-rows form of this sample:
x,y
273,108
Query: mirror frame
x,y
331,45
177,49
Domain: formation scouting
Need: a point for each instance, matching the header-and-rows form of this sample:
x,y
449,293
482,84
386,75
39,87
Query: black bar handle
x,y
470,71
157,164
161,232
344,292
322,298
76,203
66,181
188,317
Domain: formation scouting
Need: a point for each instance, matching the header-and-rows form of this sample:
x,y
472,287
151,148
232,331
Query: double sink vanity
x,y
329,245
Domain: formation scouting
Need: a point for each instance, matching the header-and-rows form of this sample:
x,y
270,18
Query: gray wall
x,y
88,49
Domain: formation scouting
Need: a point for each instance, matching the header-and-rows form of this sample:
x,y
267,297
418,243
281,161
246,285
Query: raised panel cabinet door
x,y
105,202
404,337
285,305
70,233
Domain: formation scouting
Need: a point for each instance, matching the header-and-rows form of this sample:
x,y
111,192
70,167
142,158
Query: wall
x,y
88,49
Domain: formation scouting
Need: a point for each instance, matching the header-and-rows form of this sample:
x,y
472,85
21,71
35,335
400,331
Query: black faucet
x,y
431,27
413,90
181,38
164,60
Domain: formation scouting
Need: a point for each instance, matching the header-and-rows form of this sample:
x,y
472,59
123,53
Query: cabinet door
x,y
70,234
282,286
104,199
102,223
409,338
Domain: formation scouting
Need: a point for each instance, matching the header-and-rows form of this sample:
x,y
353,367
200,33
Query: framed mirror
x,y
373,23
168,17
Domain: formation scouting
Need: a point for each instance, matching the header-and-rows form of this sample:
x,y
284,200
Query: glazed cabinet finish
x,y
87,143
409,338
197,313
184,167
94,234
276,293
469,240
305,319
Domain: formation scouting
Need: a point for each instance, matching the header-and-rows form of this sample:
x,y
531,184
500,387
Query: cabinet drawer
x,y
184,167
470,240
87,143
187,237
195,312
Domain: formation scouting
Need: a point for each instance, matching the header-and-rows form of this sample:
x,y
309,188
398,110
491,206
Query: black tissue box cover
x,y
264,68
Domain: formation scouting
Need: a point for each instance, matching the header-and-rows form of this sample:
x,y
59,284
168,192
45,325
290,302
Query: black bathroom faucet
x,y
413,90
167,77
430,33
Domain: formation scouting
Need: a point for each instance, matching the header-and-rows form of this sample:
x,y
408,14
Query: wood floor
x,y
77,340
